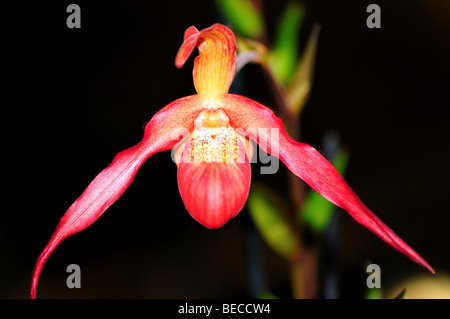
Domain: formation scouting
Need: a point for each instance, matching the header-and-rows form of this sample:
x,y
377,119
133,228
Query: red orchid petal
x,y
191,36
308,164
213,193
215,66
109,185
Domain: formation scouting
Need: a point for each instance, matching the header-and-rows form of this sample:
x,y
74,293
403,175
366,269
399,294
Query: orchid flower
x,y
209,135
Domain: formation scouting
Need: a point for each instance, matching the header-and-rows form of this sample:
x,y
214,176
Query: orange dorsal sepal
x,y
215,66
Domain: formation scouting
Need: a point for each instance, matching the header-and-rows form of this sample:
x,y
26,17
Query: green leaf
x,y
401,294
301,83
243,15
284,55
316,211
267,294
269,213
250,51
373,293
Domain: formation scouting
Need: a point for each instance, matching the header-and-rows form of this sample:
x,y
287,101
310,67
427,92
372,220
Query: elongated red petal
x,y
109,185
308,164
213,192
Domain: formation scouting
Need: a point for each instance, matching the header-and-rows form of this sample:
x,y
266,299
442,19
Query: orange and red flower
x,y
209,134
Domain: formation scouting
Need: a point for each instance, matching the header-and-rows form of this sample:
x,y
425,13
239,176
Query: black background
x,y
73,98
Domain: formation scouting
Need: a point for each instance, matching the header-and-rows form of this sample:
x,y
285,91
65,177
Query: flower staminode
x,y
213,157
214,140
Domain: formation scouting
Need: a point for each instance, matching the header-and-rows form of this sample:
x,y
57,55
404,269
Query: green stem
x,y
298,279
304,264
